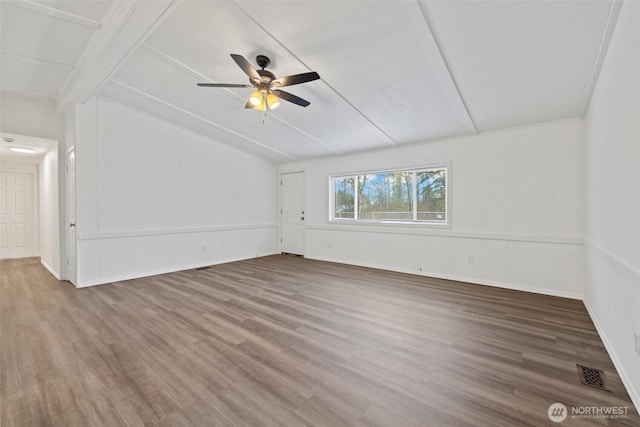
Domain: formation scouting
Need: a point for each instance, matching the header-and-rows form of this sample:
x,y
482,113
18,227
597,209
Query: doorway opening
x,y
29,200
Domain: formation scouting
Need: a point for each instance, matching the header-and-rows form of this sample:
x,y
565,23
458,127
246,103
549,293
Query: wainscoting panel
x,y
546,265
111,257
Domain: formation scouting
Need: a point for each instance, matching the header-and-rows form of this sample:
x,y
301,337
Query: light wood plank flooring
x,y
286,341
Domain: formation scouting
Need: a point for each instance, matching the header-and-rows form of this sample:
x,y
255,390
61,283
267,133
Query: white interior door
x,y
71,216
292,213
17,225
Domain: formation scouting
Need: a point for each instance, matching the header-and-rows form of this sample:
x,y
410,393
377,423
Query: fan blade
x,y
222,85
246,67
291,98
249,105
295,79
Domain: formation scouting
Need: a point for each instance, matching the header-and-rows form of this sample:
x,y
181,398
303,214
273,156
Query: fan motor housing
x,y
267,76
263,61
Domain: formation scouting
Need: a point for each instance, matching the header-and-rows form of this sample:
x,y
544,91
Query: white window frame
x,y
414,222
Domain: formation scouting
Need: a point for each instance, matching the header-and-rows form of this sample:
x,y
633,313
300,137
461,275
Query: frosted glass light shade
x,y
273,101
256,98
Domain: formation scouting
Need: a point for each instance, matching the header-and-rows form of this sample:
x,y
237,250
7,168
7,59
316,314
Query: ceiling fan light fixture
x,y
267,94
272,101
256,98
261,105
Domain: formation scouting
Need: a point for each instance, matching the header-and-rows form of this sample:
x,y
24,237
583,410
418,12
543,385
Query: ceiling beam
x,y
57,13
614,12
442,70
126,26
31,93
9,56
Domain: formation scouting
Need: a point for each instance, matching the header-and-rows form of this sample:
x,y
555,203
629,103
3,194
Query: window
x,y
344,191
414,195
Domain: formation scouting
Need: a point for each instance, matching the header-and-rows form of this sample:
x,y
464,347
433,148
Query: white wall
x,y
50,212
70,128
152,197
612,243
30,115
19,165
517,208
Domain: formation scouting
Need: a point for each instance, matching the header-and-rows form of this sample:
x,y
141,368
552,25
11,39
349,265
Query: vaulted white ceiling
x,y
392,72
42,41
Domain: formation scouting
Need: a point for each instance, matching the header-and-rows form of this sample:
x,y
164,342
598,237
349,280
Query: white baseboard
x,y
503,285
626,380
50,269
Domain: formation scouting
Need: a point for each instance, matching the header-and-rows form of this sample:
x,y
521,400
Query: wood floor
x,y
286,341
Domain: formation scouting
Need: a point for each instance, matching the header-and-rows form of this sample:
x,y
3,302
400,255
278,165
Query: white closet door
x,y
17,230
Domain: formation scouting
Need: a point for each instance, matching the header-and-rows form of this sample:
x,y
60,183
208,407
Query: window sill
x,y
374,223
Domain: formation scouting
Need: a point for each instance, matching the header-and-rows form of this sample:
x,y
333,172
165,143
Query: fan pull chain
x,y
266,105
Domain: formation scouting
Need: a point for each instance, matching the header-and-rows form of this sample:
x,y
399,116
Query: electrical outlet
x,y
637,341
470,260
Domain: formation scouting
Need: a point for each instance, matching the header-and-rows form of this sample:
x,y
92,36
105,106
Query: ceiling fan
x,y
267,94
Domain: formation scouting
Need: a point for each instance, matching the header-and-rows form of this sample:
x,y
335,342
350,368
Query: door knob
x,y
72,224
302,218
